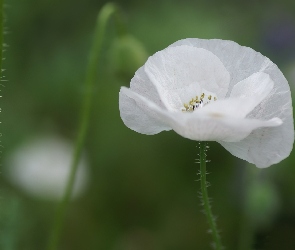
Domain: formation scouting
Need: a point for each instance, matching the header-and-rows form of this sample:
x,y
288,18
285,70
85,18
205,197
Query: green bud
x,y
127,54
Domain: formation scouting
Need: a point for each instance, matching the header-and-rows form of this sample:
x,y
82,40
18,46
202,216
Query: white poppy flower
x,y
41,168
213,90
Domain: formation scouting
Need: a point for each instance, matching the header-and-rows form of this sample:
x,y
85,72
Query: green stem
x,y
103,17
1,31
205,198
1,35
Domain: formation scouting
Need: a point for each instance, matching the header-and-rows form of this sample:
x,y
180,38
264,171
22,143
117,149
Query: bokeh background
x,y
141,191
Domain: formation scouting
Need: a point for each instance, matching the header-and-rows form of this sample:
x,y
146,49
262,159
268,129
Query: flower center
x,y
197,102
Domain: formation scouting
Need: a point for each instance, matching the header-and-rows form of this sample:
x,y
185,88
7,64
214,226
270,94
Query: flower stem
x,y
2,44
1,33
205,198
104,15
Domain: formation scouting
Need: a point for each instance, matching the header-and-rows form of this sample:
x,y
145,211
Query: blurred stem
x,y
205,198
107,11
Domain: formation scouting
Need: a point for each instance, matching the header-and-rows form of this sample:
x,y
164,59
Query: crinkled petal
x,y
142,85
253,89
204,126
138,116
263,147
174,72
215,128
257,85
266,146
231,107
245,96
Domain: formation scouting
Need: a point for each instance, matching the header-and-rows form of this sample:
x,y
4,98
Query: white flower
x,y
41,167
213,90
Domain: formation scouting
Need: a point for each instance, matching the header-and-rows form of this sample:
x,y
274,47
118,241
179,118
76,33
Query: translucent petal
x,y
266,146
257,85
212,127
253,90
175,71
245,96
203,126
263,147
142,85
138,117
232,107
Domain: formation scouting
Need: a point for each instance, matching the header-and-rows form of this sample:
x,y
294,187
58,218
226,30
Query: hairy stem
x,y
1,34
104,16
205,198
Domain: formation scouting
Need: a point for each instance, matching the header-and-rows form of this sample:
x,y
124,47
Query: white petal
x,y
142,85
231,107
245,96
174,71
214,127
253,89
239,61
138,116
203,127
266,146
258,85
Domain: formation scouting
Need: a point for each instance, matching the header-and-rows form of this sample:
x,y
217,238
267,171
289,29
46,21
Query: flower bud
x,y
127,54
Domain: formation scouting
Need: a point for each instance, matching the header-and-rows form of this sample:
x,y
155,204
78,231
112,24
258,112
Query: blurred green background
x,y
142,192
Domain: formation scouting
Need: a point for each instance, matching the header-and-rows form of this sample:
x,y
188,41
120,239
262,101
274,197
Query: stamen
x,y
202,96
195,103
